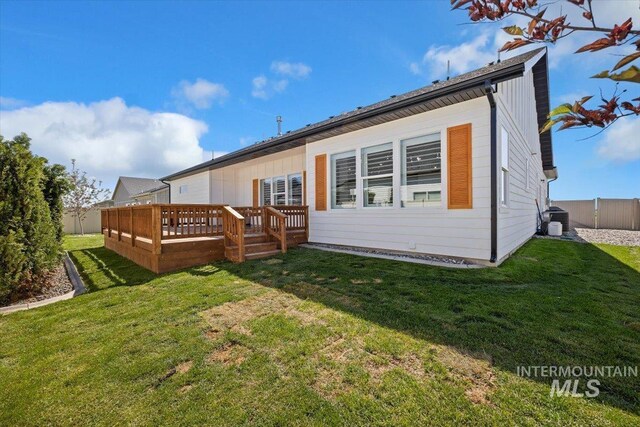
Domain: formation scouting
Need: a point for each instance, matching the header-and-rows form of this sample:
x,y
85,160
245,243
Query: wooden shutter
x,y
459,167
256,193
321,182
304,188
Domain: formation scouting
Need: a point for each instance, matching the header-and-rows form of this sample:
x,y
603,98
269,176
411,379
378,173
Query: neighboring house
x,y
136,191
451,169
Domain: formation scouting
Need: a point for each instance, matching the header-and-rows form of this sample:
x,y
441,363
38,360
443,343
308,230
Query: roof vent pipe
x,y
279,120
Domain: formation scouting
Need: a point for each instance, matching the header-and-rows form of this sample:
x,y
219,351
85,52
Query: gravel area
x,y
435,258
612,237
56,283
590,235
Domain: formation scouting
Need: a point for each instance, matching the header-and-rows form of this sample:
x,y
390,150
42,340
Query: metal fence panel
x,y
582,213
621,214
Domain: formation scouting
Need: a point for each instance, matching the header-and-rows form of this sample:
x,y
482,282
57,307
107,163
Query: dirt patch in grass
x,y
474,370
230,354
184,367
181,368
185,388
235,316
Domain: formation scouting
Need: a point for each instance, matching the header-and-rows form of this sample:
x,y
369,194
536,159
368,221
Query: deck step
x,y
258,255
255,238
255,247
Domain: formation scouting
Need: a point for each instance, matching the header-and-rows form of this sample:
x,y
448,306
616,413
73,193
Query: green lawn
x,y
319,338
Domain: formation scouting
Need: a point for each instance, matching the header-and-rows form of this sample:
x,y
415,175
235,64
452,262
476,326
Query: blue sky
x,y
156,83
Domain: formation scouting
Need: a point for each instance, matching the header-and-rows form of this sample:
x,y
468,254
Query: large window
x,y
377,175
295,189
504,171
265,188
281,190
343,180
421,183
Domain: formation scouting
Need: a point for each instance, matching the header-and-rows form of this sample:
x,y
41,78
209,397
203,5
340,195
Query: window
x,y
265,188
343,180
183,189
279,191
504,171
421,183
377,175
295,189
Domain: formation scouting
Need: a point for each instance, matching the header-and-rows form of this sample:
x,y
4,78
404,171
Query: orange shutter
x,y
321,182
304,188
459,167
256,193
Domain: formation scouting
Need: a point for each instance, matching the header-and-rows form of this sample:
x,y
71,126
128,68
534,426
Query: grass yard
x,y
327,339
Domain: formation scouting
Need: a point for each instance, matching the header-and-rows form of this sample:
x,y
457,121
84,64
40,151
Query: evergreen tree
x,y
28,243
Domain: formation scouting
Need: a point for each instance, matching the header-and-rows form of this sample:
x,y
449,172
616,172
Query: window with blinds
x,y
377,175
421,181
279,191
265,189
295,189
343,180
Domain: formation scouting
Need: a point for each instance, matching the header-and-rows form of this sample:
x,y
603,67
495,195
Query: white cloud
x,y
7,103
296,70
621,142
462,58
264,88
109,138
259,87
201,93
246,140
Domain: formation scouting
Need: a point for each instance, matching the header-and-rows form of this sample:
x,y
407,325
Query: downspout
x,y
549,181
488,90
169,184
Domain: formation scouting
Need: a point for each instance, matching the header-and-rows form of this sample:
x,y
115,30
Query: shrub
x,y
28,241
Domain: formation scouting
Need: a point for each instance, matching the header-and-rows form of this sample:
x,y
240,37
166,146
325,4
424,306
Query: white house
x,y
452,169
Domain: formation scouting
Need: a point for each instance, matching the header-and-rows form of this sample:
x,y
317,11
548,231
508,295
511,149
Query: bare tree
x,y
84,194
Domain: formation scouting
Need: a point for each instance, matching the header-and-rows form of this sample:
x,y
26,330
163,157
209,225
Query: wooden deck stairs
x,y
256,246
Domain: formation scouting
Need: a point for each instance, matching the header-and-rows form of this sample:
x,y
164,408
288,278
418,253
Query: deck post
x,y
133,235
108,224
306,223
118,224
156,230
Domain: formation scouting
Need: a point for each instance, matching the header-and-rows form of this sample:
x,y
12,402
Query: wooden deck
x,y
164,238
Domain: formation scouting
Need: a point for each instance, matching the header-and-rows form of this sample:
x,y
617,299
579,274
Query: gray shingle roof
x,y
437,89
134,185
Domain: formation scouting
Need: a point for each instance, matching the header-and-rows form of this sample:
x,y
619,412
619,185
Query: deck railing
x,y
180,221
253,218
275,226
152,224
234,227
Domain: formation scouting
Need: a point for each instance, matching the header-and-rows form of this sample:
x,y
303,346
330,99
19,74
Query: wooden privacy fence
x,y
621,214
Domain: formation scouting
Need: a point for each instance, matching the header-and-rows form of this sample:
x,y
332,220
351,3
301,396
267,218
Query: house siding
x,y
278,164
197,189
517,115
434,230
